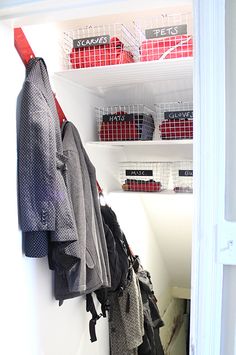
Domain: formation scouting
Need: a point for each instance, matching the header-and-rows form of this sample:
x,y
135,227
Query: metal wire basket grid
x,y
99,45
176,120
182,174
144,176
125,123
168,36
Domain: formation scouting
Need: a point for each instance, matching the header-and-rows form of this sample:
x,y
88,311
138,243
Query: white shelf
x,y
144,193
153,150
166,143
126,74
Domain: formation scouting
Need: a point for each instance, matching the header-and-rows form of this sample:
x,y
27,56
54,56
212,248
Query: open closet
x,y
134,111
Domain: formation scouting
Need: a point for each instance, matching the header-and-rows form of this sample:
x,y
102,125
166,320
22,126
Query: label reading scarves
x,y
91,41
167,31
139,172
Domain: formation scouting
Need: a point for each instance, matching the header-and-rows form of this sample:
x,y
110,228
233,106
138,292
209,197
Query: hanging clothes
x,y
45,212
151,344
126,320
91,271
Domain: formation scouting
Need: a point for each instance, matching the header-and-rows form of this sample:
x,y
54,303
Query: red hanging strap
x,y
99,188
61,114
26,53
22,46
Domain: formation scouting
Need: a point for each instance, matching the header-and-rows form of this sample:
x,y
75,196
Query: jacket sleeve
x,y
36,163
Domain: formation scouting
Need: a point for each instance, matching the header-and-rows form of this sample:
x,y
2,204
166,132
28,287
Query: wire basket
x,y
94,46
144,176
182,174
176,120
125,123
165,37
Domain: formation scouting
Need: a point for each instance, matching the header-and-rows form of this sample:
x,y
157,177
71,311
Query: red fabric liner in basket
x,y
119,131
106,54
176,129
145,186
166,48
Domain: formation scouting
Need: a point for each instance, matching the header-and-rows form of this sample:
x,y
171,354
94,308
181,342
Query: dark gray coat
x,y
44,207
92,270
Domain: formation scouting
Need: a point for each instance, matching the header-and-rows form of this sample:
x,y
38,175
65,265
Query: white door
x,y
215,231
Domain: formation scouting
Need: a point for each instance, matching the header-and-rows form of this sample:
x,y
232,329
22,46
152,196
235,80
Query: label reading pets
x,y
165,31
177,115
91,41
185,173
125,117
138,172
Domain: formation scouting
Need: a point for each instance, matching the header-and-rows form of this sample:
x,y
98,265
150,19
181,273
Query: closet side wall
x,y
17,298
33,323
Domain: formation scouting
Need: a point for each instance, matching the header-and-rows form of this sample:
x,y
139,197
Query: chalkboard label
x,y
91,41
185,173
176,115
167,31
138,172
125,117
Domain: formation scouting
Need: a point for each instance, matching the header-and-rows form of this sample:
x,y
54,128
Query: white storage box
x,y
182,173
175,120
98,46
144,176
168,36
125,123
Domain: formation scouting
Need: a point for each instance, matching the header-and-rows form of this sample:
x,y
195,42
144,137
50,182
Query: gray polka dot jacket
x,y
45,212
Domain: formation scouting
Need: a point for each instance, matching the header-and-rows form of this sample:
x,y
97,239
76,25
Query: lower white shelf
x,y
161,193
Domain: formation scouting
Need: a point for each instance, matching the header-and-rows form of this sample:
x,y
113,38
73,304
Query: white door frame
x,y
209,106
209,168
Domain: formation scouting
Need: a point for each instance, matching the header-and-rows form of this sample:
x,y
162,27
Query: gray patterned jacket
x,y
92,270
44,207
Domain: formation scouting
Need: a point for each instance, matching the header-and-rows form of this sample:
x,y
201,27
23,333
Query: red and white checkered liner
x,y
175,120
122,46
144,176
125,123
168,36
182,174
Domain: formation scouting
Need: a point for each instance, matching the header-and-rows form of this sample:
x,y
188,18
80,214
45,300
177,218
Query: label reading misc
x,y
91,41
178,115
139,172
125,117
186,173
165,31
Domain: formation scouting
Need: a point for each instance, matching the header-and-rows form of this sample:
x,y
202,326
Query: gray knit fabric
x,y
92,270
126,328
44,209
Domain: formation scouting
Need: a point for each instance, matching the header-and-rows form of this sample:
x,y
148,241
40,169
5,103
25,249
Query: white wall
x,y
228,346
171,219
31,321
18,325
143,242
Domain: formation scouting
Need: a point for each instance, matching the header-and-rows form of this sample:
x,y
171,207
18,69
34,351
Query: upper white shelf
x,y
126,74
